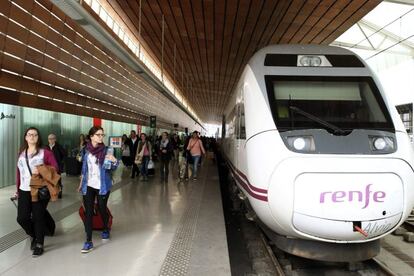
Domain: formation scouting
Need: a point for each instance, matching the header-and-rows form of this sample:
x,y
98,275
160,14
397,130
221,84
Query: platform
x,y
159,229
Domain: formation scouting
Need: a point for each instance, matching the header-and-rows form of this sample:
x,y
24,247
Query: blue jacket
x,y
106,175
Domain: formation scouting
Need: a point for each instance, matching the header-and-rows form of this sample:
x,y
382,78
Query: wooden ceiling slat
x,y
282,7
215,39
255,12
198,18
27,5
12,64
209,10
299,21
338,21
289,16
170,15
219,19
359,14
186,10
182,47
168,39
327,18
312,20
237,42
230,19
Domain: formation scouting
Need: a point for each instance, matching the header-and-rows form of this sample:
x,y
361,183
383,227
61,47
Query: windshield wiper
x,y
336,129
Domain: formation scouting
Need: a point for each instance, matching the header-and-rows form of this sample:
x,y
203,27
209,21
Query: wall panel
x,y
47,53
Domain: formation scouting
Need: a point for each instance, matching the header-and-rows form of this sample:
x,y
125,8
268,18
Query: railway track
x,y
409,222
289,265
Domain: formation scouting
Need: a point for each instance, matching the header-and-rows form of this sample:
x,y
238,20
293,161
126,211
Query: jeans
x,y
144,165
32,216
196,159
89,205
164,164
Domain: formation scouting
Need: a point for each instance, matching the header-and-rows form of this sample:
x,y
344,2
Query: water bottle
x,y
108,163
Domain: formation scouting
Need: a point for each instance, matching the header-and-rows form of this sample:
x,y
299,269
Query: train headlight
x,y
312,61
382,143
301,143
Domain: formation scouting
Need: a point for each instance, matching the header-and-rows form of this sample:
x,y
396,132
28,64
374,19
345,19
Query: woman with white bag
x,y
143,156
165,153
126,154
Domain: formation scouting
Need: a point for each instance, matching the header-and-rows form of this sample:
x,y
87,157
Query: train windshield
x,y
338,104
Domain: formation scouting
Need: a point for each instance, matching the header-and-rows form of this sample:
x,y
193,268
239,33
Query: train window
x,y
231,122
241,133
346,102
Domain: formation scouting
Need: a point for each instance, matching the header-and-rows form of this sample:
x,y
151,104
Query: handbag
x,y
150,165
139,160
42,193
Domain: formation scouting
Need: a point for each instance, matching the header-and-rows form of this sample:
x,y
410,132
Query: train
x,y
317,152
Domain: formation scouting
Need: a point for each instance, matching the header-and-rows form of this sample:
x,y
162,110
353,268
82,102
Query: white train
x,y
319,152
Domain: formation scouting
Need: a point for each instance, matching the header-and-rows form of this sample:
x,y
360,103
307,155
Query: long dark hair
x,y
25,145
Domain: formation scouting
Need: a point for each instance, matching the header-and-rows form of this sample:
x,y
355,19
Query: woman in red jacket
x,y
32,216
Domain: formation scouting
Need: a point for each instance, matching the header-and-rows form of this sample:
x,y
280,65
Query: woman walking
x,y
166,152
32,215
98,163
143,155
195,146
126,153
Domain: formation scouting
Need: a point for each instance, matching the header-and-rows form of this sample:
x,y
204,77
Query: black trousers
x,y
135,169
89,204
164,164
32,216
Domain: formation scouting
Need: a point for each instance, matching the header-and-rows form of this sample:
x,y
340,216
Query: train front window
x,y
332,103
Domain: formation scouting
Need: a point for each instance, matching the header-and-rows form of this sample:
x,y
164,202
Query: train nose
x,y
362,200
347,206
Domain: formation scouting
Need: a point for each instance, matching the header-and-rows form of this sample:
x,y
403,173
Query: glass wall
x,y
384,38
15,120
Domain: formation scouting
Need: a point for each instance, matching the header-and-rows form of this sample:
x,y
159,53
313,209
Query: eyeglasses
x,y
31,135
100,135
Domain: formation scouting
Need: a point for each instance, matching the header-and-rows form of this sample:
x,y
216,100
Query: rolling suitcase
x,y
73,167
97,222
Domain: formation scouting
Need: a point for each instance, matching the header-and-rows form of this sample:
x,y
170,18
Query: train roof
x,y
304,49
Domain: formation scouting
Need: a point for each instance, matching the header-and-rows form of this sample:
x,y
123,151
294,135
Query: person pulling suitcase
x,y
33,199
98,163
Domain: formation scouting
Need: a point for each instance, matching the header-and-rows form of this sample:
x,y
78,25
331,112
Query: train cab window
x,y
311,102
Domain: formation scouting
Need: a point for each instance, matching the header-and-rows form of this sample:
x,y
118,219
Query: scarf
x,y
98,152
164,144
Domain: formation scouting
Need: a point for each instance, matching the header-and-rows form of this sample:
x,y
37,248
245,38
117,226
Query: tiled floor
x,y
148,217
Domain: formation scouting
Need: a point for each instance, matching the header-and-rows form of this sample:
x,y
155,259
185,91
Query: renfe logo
x,y
350,196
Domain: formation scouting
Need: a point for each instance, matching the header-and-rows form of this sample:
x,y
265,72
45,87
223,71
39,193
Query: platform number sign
x,y
153,121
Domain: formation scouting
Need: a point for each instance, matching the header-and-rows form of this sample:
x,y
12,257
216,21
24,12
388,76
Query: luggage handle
x,y
14,199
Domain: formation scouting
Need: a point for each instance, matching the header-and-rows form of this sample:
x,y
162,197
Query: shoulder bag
x,y
42,193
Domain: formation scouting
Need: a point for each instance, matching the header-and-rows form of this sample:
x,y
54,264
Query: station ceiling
x,y
214,39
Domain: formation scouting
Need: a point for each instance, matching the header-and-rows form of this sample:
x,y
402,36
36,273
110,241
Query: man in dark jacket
x,y
133,146
59,153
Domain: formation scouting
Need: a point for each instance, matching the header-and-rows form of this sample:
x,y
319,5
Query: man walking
x,y
59,153
133,151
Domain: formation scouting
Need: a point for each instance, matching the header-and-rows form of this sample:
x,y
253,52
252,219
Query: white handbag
x,y
150,165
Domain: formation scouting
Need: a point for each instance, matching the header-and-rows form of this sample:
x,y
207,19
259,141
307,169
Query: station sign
x,y
115,141
153,121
